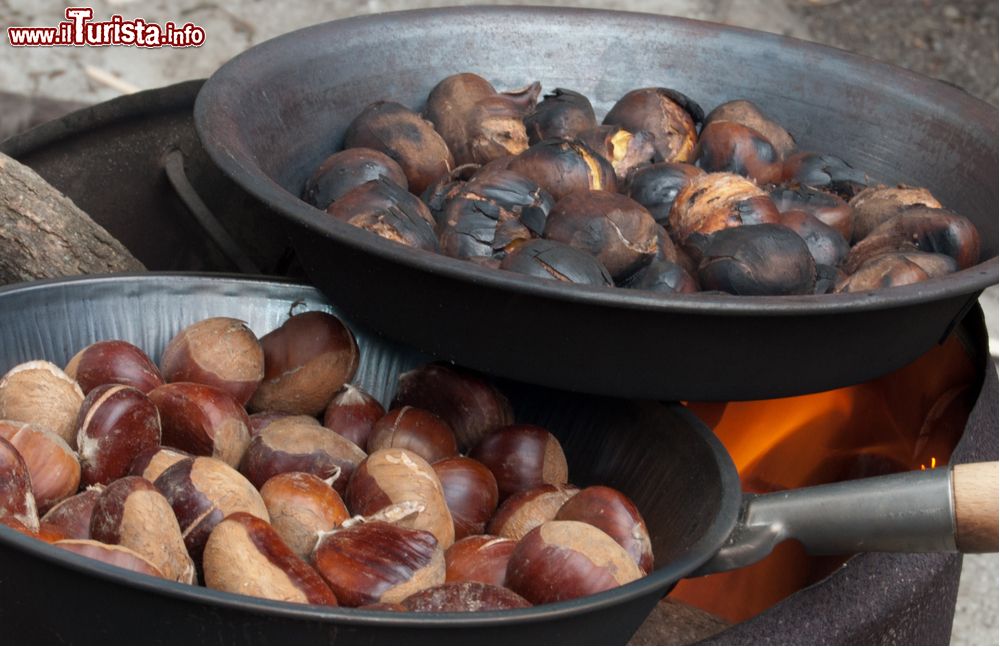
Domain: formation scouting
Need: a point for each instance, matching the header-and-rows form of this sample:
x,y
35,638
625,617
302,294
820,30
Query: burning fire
x,y
895,423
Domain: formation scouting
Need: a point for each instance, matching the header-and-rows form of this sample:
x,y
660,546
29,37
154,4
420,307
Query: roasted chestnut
x,y
883,271
616,230
389,211
113,362
757,260
560,115
919,229
656,186
730,147
346,170
717,201
669,116
438,195
562,167
826,172
826,207
625,151
522,457
549,259
875,205
401,134
747,114
826,244
664,277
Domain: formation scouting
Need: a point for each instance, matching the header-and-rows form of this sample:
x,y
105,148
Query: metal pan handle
x,y
942,510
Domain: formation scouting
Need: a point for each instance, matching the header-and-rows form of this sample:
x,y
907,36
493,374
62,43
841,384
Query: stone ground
x,y
955,41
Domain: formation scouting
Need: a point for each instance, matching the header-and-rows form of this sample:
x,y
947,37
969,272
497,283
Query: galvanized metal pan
x,y
270,115
661,456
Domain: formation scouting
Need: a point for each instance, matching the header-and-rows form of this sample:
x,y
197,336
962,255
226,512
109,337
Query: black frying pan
x,y
269,116
661,456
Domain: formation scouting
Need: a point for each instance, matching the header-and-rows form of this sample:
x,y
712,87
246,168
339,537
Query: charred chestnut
x,y
757,260
389,211
656,186
825,172
560,115
438,195
343,171
669,116
920,229
401,134
625,151
825,243
549,259
562,167
883,271
875,205
826,207
715,201
617,230
730,147
664,277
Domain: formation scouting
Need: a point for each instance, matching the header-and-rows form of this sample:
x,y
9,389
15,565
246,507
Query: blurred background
x,y
954,41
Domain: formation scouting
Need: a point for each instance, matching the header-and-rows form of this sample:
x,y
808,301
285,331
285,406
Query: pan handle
x,y
920,511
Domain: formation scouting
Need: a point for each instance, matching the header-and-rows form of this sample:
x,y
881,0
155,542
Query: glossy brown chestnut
x,y
624,150
150,463
478,123
378,562
920,229
417,430
306,361
826,244
300,444
16,498
825,172
245,555
520,513
563,560
757,260
614,513
53,466
119,556
669,116
132,513
202,420
826,207
716,201
664,277
343,171
302,507
560,115
202,491
220,352
470,491
549,259
116,423
656,186
262,419
393,476
875,205
522,457
479,558
386,210
353,413
729,147
113,362
71,517
616,230
883,271
562,167
39,392
401,134
747,114
464,597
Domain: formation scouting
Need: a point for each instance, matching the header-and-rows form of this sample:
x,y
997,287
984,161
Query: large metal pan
x,y
660,455
269,116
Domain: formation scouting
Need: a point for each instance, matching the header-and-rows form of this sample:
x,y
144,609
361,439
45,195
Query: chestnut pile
x,y
658,196
254,466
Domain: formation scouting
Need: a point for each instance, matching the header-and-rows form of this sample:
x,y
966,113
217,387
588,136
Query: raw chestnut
x,y
825,207
389,211
353,413
220,352
261,419
522,457
657,185
875,205
562,560
378,562
202,492
730,147
52,464
300,444
343,171
302,506
625,151
401,134
478,123
202,420
39,392
470,491
116,423
113,362
245,555
825,172
561,167
826,244
306,361
132,513
715,201
611,511
150,463
920,229
664,277
479,558
669,116
560,115
528,509
883,271
417,430
757,260
747,114
617,230
466,597
549,259
119,556
71,517
392,476
16,498
469,403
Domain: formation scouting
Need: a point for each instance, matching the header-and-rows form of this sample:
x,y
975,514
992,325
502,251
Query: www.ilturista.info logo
x,y
80,30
